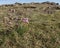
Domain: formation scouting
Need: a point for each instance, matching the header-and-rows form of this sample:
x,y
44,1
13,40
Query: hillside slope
x,y
42,31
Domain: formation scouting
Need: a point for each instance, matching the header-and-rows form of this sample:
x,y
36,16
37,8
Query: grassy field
x,y
42,31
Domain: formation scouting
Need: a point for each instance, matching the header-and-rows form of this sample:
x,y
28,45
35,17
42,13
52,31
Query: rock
x,y
48,10
30,6
57,7
51,3
47,2
18,3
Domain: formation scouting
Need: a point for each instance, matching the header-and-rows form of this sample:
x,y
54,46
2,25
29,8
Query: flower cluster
x,y
25,20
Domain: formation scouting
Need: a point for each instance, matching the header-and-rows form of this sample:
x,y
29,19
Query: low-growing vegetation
x,y
30,25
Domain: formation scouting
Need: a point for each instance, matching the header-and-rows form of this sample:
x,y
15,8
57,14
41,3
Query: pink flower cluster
x,y
25,20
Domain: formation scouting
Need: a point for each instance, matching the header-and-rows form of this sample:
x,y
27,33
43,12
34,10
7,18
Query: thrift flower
x,y
25,20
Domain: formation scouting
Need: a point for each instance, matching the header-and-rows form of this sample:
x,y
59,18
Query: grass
x,y
43,30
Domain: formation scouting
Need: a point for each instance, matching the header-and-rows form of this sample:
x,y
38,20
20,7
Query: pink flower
x,y
25,20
